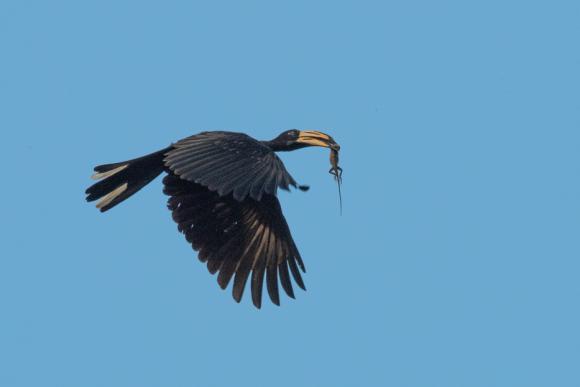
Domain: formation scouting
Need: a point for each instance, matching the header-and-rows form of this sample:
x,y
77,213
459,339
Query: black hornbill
x,y
222,188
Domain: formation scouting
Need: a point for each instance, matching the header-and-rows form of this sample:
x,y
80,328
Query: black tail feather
x,y
119,181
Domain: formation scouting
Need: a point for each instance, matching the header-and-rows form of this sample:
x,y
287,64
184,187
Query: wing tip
x,y
257,304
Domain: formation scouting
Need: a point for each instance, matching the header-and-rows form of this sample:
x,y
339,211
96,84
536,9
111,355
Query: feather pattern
x,y
237,238
229,162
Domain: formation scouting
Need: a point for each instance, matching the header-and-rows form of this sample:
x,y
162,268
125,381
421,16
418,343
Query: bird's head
x,y
296,139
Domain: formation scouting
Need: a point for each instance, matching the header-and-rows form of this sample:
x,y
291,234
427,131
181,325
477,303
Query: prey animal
x,y
222,189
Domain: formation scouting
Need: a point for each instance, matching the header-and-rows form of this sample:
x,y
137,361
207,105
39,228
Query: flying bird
x,y
222,189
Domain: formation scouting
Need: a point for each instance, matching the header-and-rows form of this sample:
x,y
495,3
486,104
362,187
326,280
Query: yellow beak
x,y
316,138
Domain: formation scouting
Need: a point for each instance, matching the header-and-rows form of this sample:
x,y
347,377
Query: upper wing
x,y
229,162
236,238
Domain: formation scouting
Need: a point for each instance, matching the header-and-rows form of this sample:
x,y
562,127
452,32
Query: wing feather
x,y
272,284
245,266
257,188
229,162
285,279
296,273
236,238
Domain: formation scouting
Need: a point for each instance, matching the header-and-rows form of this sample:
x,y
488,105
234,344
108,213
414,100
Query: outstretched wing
x,y
237,238
228,162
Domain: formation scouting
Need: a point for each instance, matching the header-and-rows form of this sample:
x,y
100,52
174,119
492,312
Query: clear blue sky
x,y
456,261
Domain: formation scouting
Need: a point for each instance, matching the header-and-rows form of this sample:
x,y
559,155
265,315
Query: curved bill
x,y
316,138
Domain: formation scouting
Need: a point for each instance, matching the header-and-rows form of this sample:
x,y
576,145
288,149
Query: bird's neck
x,y
277,146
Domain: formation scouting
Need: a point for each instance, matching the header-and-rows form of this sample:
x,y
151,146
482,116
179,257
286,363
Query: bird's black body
x,y
222,188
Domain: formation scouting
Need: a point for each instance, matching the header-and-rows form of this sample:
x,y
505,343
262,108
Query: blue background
x,y
456,261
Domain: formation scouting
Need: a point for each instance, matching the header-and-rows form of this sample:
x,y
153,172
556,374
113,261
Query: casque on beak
x,y
316,138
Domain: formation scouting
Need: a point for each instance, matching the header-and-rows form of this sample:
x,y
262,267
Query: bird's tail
x,y
119,181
